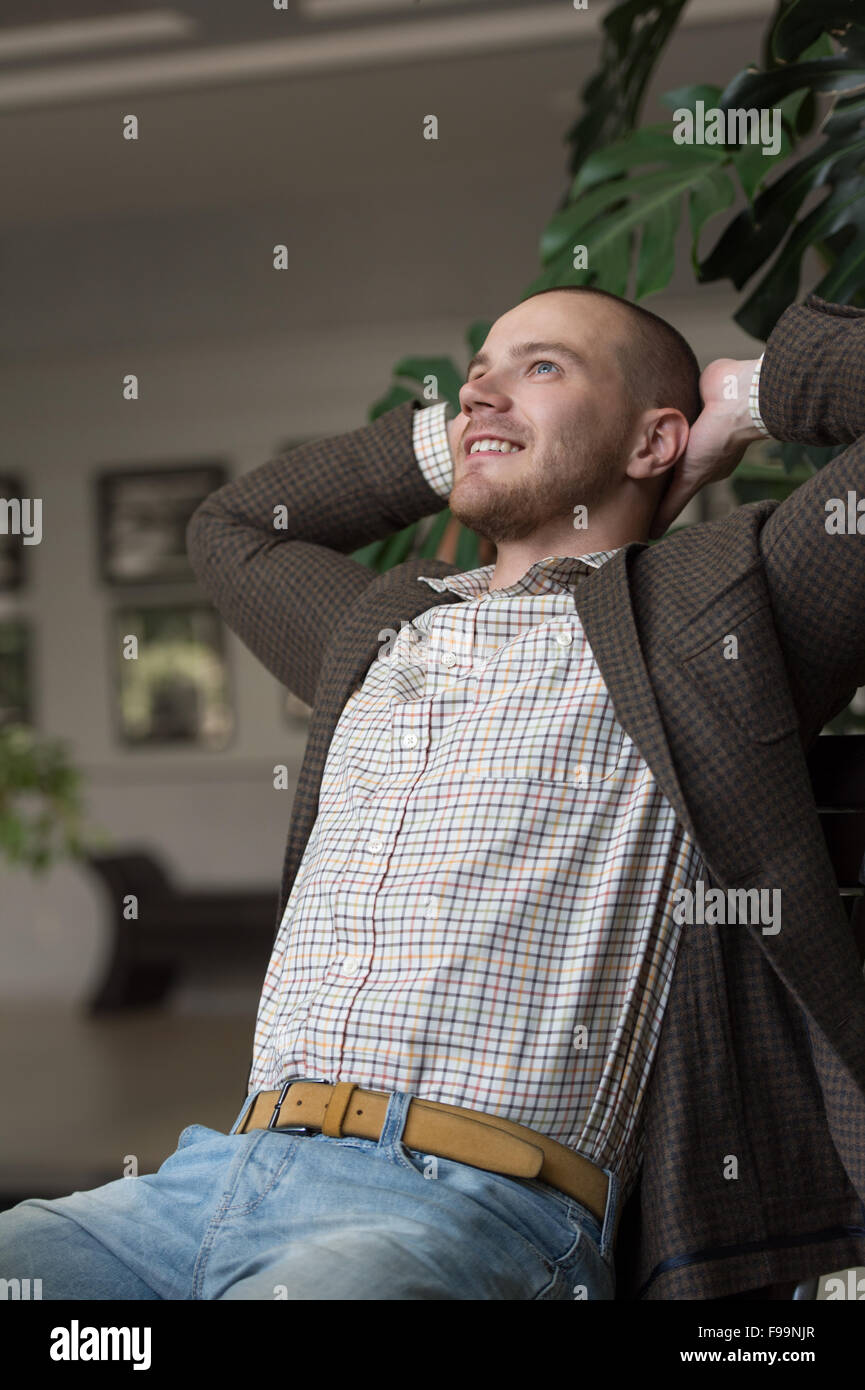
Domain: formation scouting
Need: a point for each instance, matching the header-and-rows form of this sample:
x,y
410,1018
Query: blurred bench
x,y
178,932
836,764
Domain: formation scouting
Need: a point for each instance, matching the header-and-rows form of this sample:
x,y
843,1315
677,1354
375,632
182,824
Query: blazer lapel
x,y
603,603
395,597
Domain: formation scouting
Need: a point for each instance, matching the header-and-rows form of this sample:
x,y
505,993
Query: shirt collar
x,y
553,574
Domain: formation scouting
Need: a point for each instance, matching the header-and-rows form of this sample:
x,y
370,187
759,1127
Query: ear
x,y
661,440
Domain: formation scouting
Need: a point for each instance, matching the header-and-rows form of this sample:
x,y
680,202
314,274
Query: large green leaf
x,y
686,98
847,116
468,549
657,259
392,550
756,233
651,145
608,210
394,397
707,197
640,197
753,165
780,285
765,89
635,34
808,20
446,373
430,543
476,333
847,275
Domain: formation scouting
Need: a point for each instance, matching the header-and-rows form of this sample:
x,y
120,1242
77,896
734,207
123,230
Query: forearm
x,y
812,382
270,549
342,492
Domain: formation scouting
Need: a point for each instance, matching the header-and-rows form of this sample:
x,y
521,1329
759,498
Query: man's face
x,y
570,415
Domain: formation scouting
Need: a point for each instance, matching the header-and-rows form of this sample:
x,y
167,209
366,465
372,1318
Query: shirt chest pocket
x,y
555,726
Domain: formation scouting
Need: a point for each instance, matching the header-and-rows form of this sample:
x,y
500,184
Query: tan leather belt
x,y
467,1136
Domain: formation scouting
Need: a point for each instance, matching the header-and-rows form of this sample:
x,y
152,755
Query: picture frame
x,y
12,547
172,686
142,515
16,671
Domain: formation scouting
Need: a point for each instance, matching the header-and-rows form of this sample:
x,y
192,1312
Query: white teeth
x,y
494,446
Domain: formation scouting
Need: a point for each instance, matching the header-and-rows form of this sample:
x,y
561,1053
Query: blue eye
x,y
545,363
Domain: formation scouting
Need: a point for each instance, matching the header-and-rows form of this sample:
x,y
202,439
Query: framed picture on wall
x,y
12,547
142,515
16,690
171,682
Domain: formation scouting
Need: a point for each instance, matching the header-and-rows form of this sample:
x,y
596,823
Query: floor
x,y
87,1093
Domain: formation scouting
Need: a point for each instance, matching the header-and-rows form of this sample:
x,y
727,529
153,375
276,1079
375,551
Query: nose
x,y
482,391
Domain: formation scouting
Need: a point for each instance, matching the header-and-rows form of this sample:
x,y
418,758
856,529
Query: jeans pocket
x,y
585,1275
548,1225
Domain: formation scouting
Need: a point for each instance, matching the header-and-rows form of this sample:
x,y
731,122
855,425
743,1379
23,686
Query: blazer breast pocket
x,y
741,673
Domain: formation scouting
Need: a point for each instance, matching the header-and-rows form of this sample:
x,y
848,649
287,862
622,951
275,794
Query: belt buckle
x,y
286,1129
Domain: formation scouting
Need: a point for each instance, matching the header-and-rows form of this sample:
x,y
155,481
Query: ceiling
x,y
251,103
259,126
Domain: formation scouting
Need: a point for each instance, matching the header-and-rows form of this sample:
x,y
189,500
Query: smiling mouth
x,y
514,448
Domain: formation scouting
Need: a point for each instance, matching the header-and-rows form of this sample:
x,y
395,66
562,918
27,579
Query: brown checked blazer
x,y
762,1052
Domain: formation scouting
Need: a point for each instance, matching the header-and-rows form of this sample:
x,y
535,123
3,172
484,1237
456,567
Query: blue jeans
x,y
276,1215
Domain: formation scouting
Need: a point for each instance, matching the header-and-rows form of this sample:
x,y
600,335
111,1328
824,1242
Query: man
x,y
487,1025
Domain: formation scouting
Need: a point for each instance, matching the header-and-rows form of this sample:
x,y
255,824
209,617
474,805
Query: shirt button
x,y
449,660
564,638
409,740
350,965
375,846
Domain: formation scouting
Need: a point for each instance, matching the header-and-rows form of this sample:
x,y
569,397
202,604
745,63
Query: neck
x,y
513,558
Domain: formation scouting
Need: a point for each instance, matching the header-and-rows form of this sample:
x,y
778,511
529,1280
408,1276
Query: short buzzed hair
x,y
658,364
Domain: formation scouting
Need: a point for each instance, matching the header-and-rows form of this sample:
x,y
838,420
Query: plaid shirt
x,y
483,912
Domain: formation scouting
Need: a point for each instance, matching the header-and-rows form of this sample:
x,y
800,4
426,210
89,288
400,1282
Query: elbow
x,y
199,535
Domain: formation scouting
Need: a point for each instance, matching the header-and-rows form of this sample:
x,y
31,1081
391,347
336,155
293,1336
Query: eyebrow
x,y
518,350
